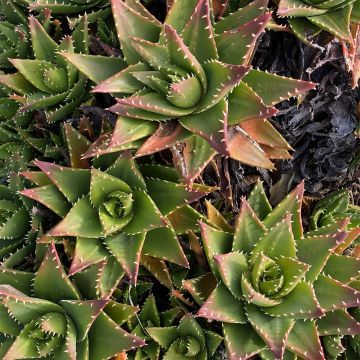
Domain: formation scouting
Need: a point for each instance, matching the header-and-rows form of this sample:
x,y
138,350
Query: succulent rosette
x,y
333,207
308,17
276,289
119,210
49,82
44,316
188,340
149,316
188,81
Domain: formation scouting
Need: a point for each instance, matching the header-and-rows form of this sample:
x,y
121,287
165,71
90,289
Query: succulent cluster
x,y
108,117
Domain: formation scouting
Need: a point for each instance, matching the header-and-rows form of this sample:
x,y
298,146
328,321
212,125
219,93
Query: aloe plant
x,y
334,207
149,316
187,340
307,17
49,82
270,275
44,315
117,208
188,81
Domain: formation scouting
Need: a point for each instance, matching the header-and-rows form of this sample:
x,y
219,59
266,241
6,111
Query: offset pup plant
x,y
44,316
308,17
187,340
270,275
117,210
186,84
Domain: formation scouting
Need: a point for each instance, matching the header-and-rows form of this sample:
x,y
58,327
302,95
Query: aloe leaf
x,y
290,204
241,16
222,306
185,219
333,294
164,336
342,268
52,272
181,56
146,215
297,305
274,88
107,339
22,280
245,104
248,229
87,252
168,195
215,242
242,148
190,166
163,243
221,78
198,33
8,325
83,314
25,308
127,250
120,313
337,322
122,81
200,287
250,345
274,331
75,222
49,196
77,145
99,280
278,241
231,266
126,169
97,68
211,125
73,183
43,45
126,131
18,83
215,218
259,202
158,269
179,13
335,22
304,340
316,250
245,38
130,23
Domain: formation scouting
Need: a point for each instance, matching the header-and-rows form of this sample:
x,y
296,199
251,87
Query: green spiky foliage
x,y
188,340
334,207
115,208
275,289
45,316
49,82
19,217
14,43
148,317
308,18
188,82
65,7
